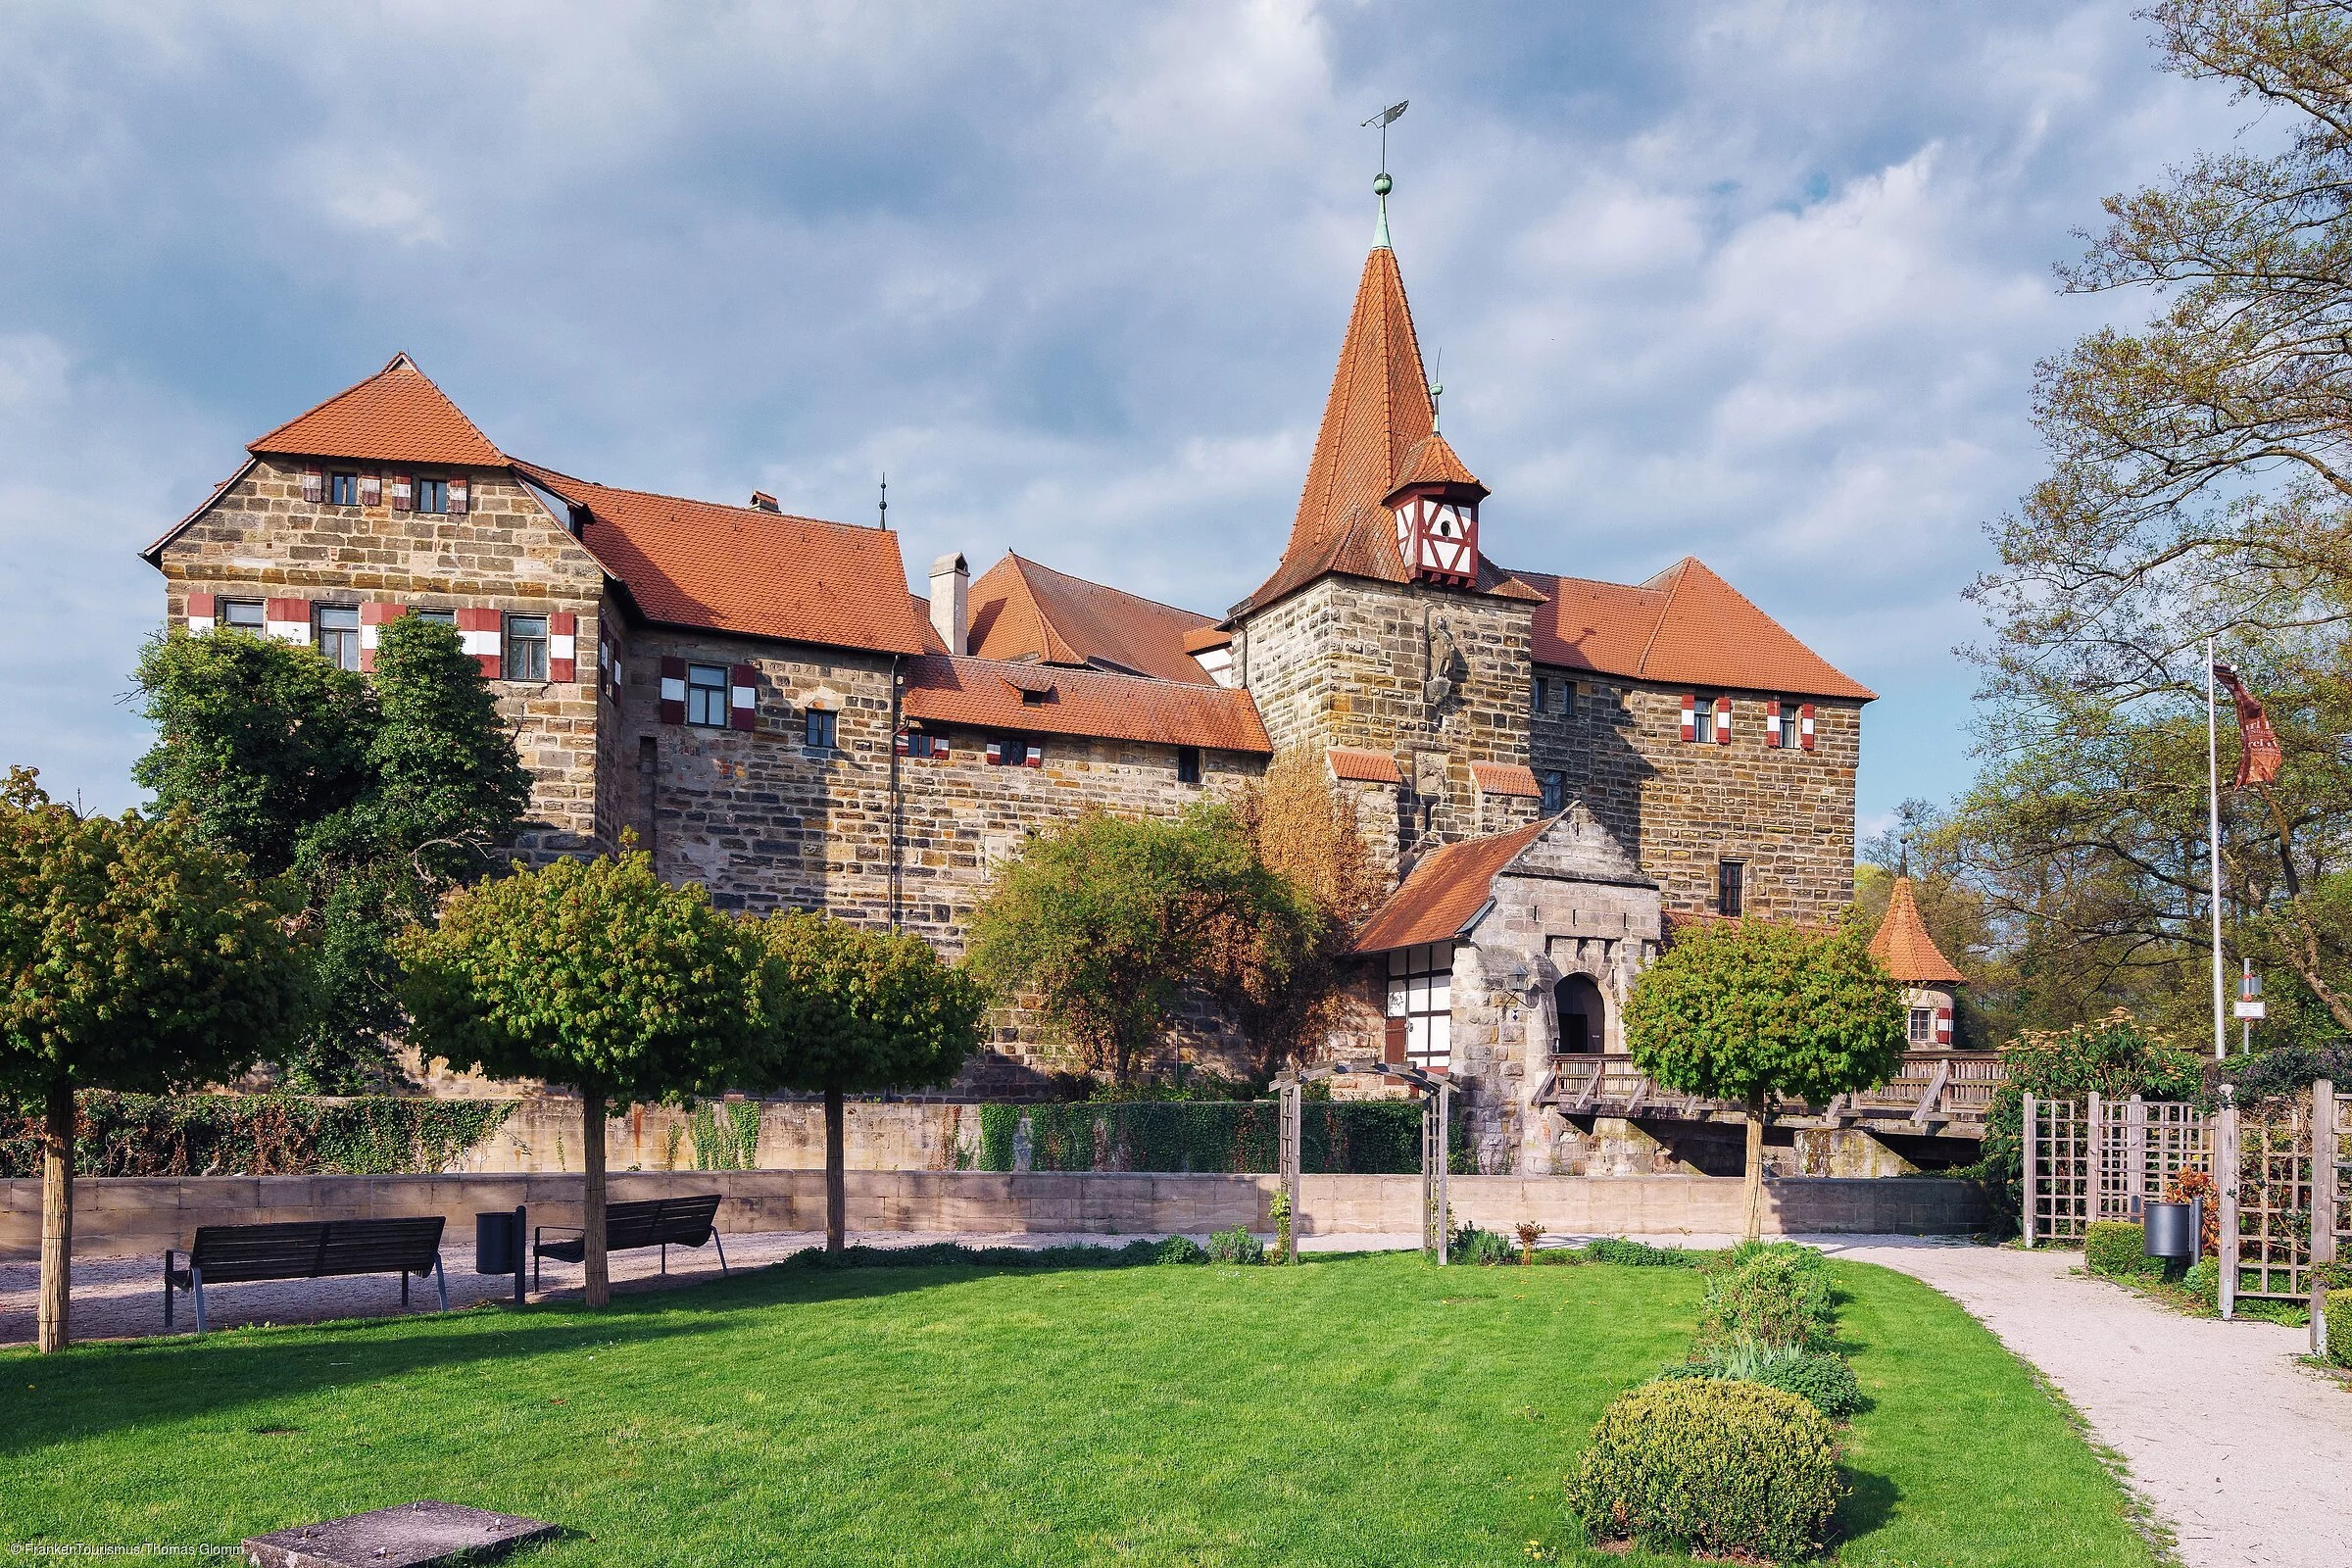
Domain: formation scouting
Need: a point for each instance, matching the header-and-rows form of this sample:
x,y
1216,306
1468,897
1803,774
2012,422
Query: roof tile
x,y
996,694
1507,778
1445,890
1363,768
1904,946
395,416
1021,609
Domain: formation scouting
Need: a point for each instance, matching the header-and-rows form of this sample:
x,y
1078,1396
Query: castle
x,y
1549,768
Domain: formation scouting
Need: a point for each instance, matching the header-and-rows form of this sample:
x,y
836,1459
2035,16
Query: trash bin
x,y
498,1245
2172,1231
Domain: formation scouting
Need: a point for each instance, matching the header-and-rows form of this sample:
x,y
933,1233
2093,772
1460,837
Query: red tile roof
x,y
395,416
1365,767
1000,693
1021,609
1201,639
747,571
1685,626
1445,890
1378,428
1904,946
1507,778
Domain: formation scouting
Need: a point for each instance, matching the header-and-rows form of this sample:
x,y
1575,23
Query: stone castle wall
x,y
260,540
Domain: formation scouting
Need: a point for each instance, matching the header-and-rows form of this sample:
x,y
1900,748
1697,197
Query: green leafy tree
x,y
1105,922
132,956
1753,1010
592,973
378,795
852,1010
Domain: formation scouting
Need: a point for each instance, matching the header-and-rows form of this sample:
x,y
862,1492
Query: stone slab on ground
x,y
2244,1452
415,1535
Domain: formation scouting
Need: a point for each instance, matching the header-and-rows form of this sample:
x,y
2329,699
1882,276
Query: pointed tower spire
x,y
1904,946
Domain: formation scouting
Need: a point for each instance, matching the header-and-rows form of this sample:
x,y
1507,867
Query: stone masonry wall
x,y
1682,807
260,540
1345,663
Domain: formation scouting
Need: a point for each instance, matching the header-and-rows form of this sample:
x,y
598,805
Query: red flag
x,y
2258,756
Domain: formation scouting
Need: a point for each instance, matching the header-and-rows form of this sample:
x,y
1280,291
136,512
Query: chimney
x,y
951,600
765,502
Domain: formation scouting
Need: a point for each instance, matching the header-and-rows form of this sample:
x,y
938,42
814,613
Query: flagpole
x,y
2213,825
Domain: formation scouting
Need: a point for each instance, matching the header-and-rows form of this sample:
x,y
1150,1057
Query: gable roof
x,y
1904,946
1020,610
1686,626
396,416
746,569
1379,432
1444,890
1023,697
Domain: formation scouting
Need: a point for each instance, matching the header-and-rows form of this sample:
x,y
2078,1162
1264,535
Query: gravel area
x,y
2245,1454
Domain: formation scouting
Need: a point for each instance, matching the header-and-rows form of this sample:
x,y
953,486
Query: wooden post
x,y
2031,1114
2135,1158
2094,1184
2324,1156
837,1183
57,1218
1291,1117
2226,1162
599,1285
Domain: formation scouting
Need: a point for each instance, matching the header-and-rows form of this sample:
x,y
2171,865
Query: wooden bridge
x,y
1936,1093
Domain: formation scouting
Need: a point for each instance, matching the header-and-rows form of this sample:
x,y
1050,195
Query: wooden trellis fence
x,y
2281,1174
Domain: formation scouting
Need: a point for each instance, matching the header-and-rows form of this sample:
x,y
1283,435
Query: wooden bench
x,y
226,1255
662,1222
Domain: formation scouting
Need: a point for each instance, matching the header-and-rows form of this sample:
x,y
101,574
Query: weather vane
x,y
1436,389
1381,183
884,524
1383,119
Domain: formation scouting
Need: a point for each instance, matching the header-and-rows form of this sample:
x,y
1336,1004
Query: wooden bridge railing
x,y
1933,1090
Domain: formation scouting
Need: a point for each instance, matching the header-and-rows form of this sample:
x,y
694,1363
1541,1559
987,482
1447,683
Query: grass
x,y
1360,1411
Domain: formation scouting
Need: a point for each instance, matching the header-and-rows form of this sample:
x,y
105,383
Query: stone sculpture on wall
x,y
1448,668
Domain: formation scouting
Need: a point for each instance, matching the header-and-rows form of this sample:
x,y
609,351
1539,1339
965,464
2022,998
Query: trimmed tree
x,y
1753,1010
132,956
852,1010
595,974
378,795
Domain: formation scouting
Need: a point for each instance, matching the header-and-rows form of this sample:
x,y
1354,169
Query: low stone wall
x,y
132,1215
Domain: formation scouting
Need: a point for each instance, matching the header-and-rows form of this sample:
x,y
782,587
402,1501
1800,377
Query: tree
x,y
852,1010
1281,962
378,797
592,973
1105,922
1755,1010
132,956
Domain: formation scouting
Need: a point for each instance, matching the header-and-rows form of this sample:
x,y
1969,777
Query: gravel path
x,y
2245,1454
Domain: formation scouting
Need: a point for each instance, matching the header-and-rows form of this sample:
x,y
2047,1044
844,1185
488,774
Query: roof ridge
x,y
1124,593
261,443
694,501
1641,666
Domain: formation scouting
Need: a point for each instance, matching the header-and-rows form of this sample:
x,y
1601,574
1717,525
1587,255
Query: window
x,y
447,617
821,732
1421,994
1011,751
1922,1026
342,489
1542,702
339,635
1704,713
1555,791
1731,891
526,647
245,614
432,495
1187,764
707,695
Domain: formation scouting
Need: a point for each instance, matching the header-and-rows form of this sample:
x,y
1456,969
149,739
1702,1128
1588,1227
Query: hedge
x,y
2339,1308
2118,1248
254,1135
1340,1137
1711,1466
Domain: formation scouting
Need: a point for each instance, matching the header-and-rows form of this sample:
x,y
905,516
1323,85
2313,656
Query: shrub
x,y
1640,1255
1709,1465
2118,1248
1179,1250
2339,1327
1474,1246
1236,1245
1348,1136
2204,1281
950,1255
1772,1299
1828,1381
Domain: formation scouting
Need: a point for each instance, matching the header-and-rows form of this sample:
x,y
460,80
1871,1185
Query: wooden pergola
x,y
1436,1110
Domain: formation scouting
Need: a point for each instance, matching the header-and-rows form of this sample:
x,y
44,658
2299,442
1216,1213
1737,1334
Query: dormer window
x,y
342,489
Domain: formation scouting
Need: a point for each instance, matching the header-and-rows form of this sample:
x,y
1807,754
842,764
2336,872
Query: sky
x,y
1759,282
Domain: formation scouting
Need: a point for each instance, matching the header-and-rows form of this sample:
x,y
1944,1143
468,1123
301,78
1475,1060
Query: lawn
x,y
1354,1410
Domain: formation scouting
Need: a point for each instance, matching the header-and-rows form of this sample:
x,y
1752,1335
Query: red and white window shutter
x,y
1943,1026
563,645
373,618
203,610
1690,718
477,630
996,752
1804,726
314,485
459,495
1772,723
743,697
1723,722
371,489
1035,758
401,491
673,689
287,619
